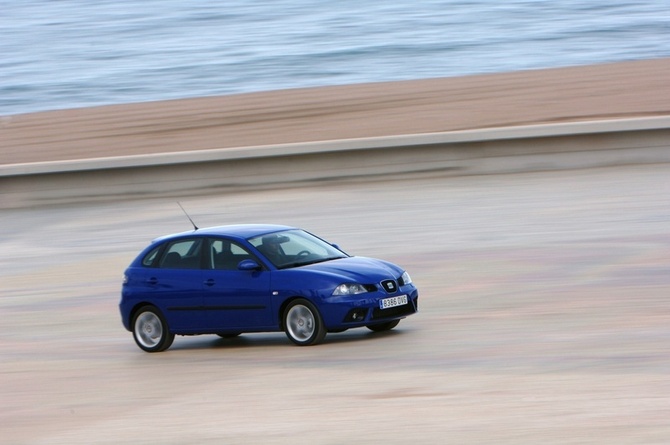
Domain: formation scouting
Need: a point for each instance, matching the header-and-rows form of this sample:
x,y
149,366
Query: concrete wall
x,y
488,151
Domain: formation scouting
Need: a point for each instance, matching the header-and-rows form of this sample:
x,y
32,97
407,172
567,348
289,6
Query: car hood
x,y
357,269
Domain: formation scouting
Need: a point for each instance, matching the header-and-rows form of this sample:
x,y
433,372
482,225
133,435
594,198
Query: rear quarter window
x,y
150,258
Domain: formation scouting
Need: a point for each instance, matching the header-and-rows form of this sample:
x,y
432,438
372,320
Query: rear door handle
x,y
152,280
210,282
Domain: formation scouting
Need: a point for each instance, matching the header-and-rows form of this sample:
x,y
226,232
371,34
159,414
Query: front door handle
x,y
210,282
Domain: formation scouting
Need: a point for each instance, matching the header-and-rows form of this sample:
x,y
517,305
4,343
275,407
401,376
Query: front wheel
x,y
150,330
303,324
383,326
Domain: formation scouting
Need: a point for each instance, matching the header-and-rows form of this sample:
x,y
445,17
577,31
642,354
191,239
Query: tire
x,y
381,327
151,331
303,324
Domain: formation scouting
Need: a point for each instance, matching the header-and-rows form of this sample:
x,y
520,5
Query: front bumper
x,y
349,312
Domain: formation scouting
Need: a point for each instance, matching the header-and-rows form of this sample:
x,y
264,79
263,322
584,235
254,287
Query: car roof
x,y
240,231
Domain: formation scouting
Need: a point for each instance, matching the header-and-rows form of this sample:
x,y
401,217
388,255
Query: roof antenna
x,y
189,218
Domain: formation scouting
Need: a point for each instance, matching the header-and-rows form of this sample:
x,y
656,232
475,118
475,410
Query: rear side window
x,y
182,254
227,255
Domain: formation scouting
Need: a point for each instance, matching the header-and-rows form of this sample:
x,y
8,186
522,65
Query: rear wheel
x,y
383,326
303,324
150,330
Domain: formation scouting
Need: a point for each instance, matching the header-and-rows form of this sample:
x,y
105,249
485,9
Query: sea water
x,y
79,53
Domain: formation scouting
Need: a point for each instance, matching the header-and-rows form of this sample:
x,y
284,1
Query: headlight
x,y
405,278
349,289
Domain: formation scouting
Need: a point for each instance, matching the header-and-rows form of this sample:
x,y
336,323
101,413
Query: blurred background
x,y
543,309
77,53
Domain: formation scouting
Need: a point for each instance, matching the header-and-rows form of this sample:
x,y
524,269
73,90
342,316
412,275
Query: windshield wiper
x,y
323,260
307,263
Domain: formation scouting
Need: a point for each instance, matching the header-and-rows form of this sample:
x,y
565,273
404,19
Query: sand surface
x,y
630,89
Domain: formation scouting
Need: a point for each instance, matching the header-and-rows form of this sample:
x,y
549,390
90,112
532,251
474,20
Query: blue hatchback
x,y
258,278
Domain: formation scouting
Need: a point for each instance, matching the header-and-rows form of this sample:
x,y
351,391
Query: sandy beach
x,y
608,91
543,295
543,319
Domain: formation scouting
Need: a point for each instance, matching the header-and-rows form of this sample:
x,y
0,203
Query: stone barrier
x,y
485,151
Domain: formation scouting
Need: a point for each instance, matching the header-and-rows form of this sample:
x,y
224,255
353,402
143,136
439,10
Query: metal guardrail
x,y
483,151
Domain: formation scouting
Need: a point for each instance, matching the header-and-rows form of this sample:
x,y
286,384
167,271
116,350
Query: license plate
x,y
392,302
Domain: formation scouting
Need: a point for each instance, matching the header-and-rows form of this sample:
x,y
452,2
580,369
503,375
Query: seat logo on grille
x,y
389,286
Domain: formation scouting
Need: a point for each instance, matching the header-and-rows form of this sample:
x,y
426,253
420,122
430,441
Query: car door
x,y
175,285
234,299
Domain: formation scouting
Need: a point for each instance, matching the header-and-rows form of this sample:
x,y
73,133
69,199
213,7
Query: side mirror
x,y
248,265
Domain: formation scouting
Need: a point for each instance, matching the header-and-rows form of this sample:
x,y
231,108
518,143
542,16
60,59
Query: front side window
x,y
182,254
293,248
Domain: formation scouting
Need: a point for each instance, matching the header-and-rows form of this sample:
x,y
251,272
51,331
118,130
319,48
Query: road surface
x,y
544,318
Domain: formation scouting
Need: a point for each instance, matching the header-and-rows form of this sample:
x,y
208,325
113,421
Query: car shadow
x,y
275,339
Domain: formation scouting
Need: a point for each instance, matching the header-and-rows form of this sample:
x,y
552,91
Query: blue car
x,y
234,279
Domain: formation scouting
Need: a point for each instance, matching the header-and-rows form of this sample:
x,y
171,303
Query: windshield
x,y
293,248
